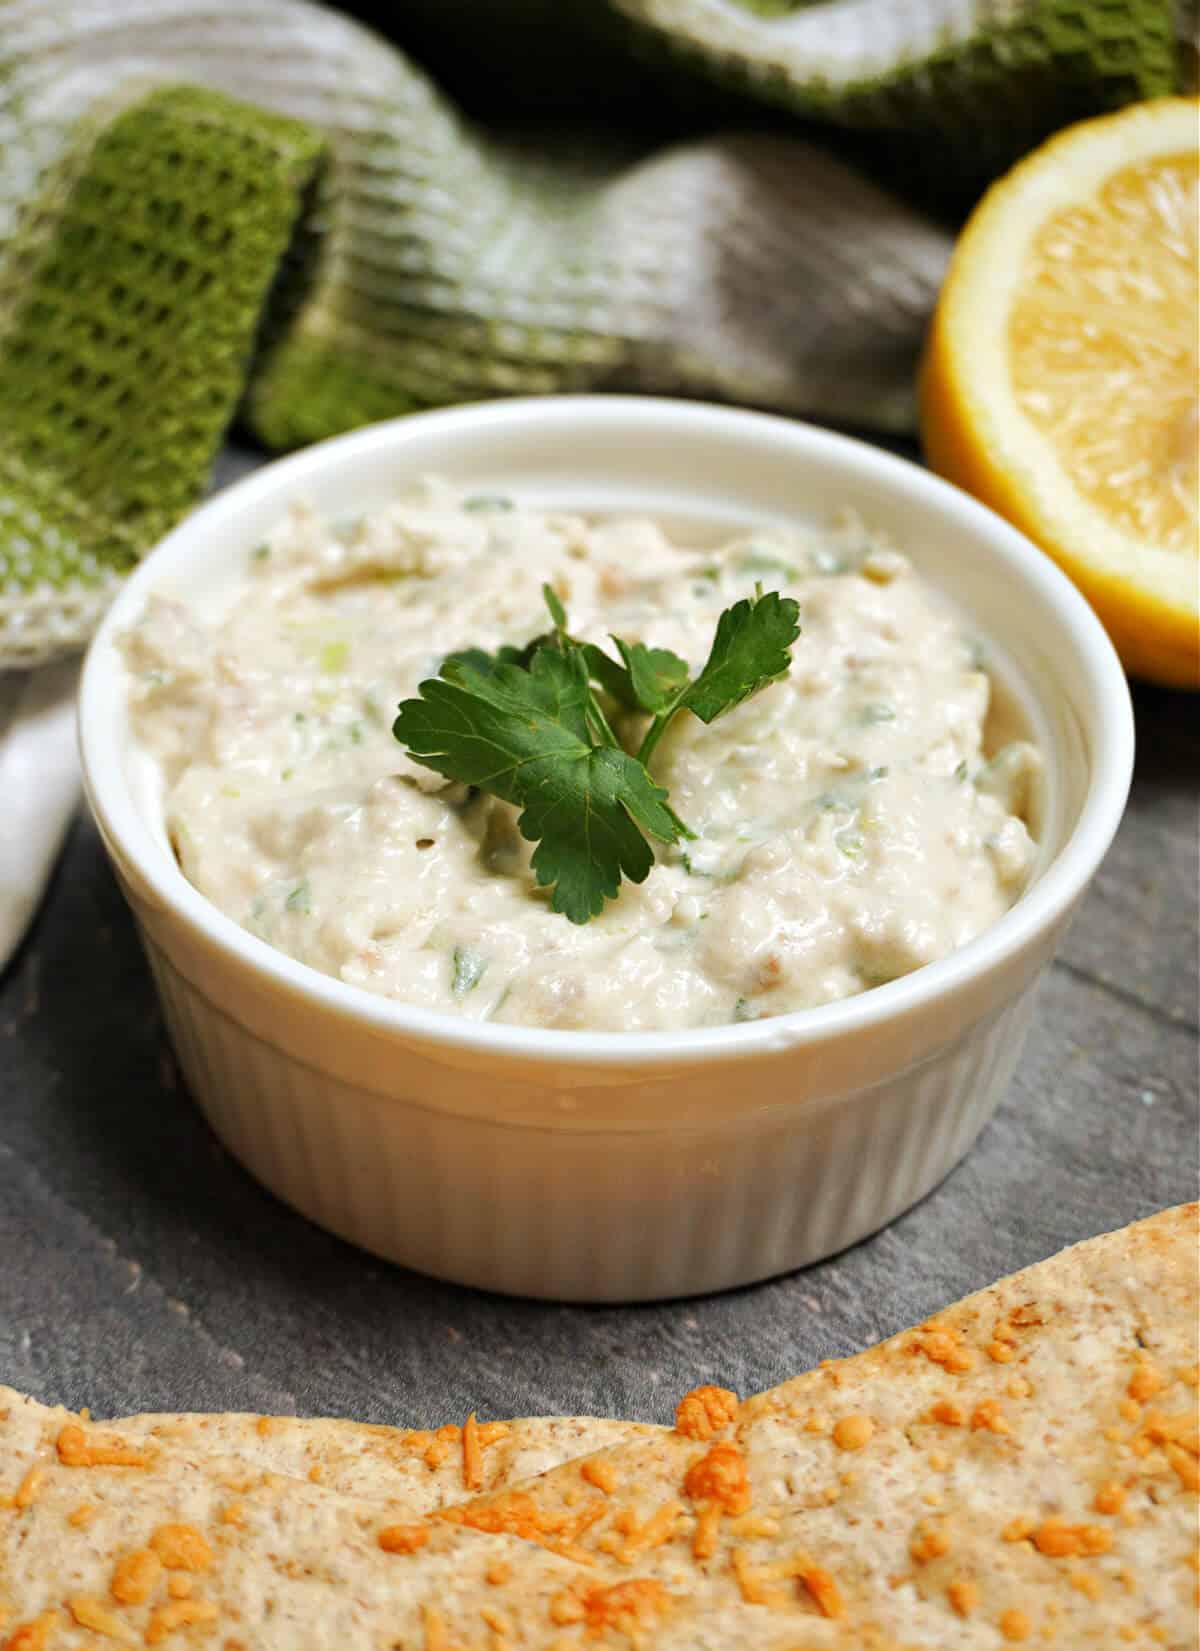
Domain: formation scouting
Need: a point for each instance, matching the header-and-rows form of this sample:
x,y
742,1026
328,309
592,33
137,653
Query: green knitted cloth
x,y
207,206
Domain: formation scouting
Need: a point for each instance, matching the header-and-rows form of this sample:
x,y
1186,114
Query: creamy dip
x,y
850,823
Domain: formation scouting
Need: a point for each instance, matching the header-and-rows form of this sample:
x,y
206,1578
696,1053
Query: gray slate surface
x,y
140,1268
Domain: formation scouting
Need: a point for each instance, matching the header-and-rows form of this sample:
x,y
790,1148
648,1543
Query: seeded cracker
x,y
169,1541
417,1470
1022,1468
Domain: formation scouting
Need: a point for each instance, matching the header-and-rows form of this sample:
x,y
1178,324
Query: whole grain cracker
x,y
1023,1465
415,1470
989,1472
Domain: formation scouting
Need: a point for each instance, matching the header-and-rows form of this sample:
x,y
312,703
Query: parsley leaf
x,y
585,818
752,648
525,725
480,660
523,735
647,680
611,675
655,674
484,727
557,612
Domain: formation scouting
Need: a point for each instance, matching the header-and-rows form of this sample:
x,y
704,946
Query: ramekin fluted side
x,y
587,1215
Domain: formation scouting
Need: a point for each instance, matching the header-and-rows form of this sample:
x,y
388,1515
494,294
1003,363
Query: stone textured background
x,y
141,1269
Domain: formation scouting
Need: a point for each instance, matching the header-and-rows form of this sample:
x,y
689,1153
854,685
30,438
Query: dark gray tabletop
x,y
140,1268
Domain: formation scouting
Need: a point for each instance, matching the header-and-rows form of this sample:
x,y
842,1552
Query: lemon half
x,y
1060,380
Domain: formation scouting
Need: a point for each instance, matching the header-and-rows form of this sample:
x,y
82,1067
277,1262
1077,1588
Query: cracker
x,y
415,1471
143,1541
1024,1463
1020,1468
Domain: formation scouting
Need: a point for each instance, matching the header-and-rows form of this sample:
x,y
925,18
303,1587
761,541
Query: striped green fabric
x,y
124,345
207,206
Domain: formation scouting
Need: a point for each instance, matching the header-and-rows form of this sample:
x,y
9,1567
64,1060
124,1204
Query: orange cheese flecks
x,y
599,1472
705,1411
824,1591
754,1581
27,1490
35,1635
403,1539
515,1513
720,1477
1058,1540
94,1614
944,1347
624,1605
472,1454
988,1416
1186,1467
1176,1435
1145,1382
1015,1625
1086,1582
1019,1528
636,1537
853,1432
76,1449
181,1548
436,1638
930,1541
704,1539
178,1613
135,1577
963,1595
434,1447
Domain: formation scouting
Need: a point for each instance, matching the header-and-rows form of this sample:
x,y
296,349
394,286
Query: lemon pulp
x,y
1102,347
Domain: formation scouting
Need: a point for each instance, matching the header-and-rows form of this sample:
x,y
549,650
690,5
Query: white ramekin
x,y
600,1166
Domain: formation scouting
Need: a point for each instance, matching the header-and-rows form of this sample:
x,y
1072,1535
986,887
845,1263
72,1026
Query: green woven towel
x,y
203,204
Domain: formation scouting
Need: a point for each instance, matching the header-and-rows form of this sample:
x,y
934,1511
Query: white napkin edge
x,y
39,792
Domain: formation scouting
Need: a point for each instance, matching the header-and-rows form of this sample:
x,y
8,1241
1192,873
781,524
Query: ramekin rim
x,y
1036,912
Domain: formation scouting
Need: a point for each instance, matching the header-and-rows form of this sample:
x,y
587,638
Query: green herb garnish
x,y
762,562
527,725
850,843
333,656
468,970
487,501
300,899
